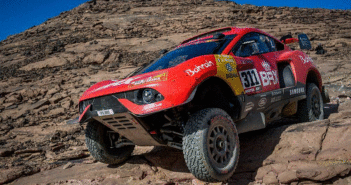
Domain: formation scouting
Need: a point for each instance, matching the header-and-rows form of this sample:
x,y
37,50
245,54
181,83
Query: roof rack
x,y
213,32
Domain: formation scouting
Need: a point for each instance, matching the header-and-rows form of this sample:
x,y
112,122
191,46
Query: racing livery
x,y
199,96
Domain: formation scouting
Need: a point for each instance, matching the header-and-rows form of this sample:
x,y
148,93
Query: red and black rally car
x,y
199,96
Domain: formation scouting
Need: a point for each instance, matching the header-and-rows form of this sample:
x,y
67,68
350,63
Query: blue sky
x,y
19,15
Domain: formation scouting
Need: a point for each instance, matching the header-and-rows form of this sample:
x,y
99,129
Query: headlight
x,y
144,96
148,96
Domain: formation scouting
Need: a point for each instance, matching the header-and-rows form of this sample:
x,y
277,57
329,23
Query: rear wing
x,y
303,40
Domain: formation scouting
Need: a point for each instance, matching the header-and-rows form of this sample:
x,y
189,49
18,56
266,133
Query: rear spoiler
x,y
303,40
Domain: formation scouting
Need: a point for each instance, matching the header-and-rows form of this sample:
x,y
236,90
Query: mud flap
x,y
325,95
253,121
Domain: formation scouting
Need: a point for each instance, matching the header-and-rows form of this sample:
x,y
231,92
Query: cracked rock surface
x,y
46,68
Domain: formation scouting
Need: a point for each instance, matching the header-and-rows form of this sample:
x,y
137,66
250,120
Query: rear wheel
x,y
100,146
211,145
286,76
311,108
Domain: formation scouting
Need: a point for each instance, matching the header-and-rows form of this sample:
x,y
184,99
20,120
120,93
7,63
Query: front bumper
x,y
129,127
89,108
120,121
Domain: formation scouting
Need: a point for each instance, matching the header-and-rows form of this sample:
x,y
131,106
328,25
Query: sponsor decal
x,y
262,102
105,112
297,91
229,67
249,90
249,78
269,77
197,69
231,75
151,79
258,88
278,92
306,59
249,106
150,107
266,66
245,61
224,58
117,83
275,99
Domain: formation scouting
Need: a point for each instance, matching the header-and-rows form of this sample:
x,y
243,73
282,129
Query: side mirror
x,y
304,42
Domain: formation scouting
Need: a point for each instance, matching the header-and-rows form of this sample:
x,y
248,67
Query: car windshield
x,y
186,52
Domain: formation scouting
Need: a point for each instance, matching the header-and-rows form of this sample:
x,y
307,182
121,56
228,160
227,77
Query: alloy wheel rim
x,y
220,145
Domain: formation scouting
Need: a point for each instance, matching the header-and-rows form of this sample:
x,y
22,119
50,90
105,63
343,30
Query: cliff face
x,y
46,68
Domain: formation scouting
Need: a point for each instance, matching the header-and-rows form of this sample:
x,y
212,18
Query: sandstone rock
x,y
52,91
33,150
2,100
56,98
19,122
38,104
50,62
113,60
13,98
56,112
66,104
95,58
6,152
270,178
29,93
50,155
199,182
13,106
68,165
8,175
299,142
73,154
287,177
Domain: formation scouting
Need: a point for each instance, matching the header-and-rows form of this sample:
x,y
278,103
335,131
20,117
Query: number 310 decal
x,y
249,78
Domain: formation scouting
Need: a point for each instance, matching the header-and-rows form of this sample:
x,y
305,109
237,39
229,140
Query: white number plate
x,y
249,78
105,112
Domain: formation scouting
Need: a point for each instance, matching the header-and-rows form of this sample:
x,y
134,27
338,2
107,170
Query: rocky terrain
x,y
46,68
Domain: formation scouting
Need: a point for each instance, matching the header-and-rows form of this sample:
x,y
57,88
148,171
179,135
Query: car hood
x,y
115,86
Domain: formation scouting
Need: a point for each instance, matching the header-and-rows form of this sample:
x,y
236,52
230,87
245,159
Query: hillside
x,y
46,68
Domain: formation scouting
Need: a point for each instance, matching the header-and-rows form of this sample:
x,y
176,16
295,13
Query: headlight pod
x,y
144,96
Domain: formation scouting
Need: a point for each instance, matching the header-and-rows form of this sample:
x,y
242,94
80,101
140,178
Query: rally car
x,y
199,96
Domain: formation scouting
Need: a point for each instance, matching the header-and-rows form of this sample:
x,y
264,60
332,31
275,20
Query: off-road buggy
x,y
199,96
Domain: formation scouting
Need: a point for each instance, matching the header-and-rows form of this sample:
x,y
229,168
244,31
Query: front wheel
x,y
311,108
211,145
100,147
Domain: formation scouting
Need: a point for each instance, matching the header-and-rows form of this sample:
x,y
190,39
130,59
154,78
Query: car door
x,y
261,75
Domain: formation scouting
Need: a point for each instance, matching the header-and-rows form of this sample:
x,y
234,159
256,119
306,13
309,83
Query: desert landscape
x,y
45,69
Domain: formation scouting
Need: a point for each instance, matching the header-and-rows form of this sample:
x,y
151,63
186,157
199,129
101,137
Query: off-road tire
x,y
305,110
98,145
286,77
196,148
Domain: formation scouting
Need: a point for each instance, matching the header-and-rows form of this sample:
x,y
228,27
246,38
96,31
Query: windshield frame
x,y
222,44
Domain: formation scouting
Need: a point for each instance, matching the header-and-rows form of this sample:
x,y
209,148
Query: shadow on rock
x,y
256,146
